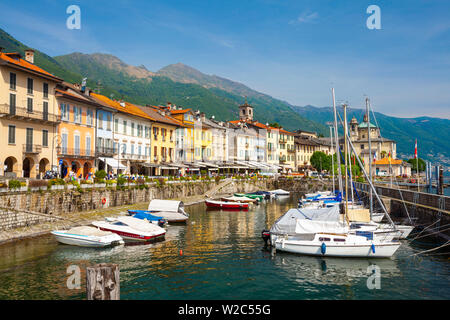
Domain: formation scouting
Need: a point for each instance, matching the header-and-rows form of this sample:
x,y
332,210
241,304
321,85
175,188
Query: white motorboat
x,y
240,199
334,245
280,192
324,232
131,228
86,236
170,210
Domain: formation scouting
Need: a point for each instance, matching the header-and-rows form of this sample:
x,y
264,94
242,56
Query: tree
x,y
320,161
413,162
274,125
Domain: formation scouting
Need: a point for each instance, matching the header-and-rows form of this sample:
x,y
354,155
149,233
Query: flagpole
x,y
332,157
370,156
418,174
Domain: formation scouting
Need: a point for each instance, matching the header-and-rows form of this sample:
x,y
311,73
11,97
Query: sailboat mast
x,y
346,160
336,139
332,156
370,157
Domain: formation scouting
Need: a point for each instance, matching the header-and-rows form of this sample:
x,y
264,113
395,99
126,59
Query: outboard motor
x,y
266,237
161,222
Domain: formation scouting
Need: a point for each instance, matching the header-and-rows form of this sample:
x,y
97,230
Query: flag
x,y
375,156
415,150
389,157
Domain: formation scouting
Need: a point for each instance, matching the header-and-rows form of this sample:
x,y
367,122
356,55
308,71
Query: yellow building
x,y
28,116
163,133
286,150
185,140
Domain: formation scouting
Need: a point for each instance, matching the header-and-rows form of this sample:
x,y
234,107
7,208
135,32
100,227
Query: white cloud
x,y
306,17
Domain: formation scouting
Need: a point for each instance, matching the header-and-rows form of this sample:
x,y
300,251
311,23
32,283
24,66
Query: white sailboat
x,y
325,232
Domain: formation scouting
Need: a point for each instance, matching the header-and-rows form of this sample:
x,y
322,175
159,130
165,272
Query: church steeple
x,y
246,111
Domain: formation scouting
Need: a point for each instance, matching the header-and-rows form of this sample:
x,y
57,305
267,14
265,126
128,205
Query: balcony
x,y
291,150
32,148
282,140
282,159
75,152
18,113
105,152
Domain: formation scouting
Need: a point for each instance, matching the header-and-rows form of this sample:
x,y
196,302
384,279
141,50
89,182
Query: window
x,y
45,138
64,111
108,122
132,129
116,125
11,134
89,117
45,110
12,103
64,139
362,147
29,104
100,120
45,90
88,145
124,127
30,86
155,152
12,81
77,144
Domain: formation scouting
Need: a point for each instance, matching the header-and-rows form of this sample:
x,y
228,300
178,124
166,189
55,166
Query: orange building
x,y
76,132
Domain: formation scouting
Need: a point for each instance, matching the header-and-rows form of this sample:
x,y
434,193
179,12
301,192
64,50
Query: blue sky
x,y
292,50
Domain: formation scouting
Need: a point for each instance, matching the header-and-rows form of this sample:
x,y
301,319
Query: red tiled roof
x,y
386,161
8,57
128,108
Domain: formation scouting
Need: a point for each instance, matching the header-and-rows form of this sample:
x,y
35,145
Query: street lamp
x,y
56,136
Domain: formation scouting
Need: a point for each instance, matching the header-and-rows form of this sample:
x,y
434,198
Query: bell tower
x,y
246,111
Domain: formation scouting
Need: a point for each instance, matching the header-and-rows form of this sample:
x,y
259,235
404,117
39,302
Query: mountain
x,y
431,133
183,86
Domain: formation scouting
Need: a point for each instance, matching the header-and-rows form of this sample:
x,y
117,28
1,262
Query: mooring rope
x,y
430,250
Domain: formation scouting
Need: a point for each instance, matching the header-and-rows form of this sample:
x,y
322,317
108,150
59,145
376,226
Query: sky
x,y
292,50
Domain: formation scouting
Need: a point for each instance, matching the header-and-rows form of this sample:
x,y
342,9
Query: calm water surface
x,y
223,257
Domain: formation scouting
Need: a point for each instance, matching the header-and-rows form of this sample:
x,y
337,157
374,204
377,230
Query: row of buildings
x,y
49,124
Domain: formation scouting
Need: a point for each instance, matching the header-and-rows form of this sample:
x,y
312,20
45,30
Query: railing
x,y
102,151
32,148
75,152
291,150
17,112
282,140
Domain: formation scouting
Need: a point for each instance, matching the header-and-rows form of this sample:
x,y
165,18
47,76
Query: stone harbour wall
x,y
21,209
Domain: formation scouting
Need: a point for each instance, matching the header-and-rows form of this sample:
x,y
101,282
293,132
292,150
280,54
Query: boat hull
x,y
226,205
353,251
128,236
84,241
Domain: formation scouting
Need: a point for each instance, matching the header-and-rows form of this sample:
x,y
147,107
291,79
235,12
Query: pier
x,y
420,208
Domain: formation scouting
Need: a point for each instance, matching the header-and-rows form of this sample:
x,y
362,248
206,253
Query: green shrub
x,y
14,184
121,181
100,174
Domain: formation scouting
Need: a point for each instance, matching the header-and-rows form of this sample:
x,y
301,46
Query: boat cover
x,y
144,215
166,205
310,220
87,231
139,224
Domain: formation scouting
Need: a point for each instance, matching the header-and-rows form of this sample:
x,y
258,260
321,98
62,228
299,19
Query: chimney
x,y
202,116
122,103
29,55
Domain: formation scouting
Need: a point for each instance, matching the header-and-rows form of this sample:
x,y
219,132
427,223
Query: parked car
x,y
382,174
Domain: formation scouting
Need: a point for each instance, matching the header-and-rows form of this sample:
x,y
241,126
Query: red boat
x,y
226,205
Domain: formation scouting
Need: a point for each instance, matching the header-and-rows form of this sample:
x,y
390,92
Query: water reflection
x,y
217,255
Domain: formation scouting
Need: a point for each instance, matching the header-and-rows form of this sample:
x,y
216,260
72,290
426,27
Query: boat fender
x,y
373,248
103,200
161,222
323,248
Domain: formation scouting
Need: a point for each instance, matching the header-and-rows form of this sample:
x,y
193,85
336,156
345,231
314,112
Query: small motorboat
x,y
240,199
131,228
249,195
280,192
147,215
171,210
86,236
226,205
267,195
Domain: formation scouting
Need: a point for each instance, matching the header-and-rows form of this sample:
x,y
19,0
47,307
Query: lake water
x,y
223,257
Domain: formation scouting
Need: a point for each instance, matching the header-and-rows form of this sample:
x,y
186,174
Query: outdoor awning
x,y
149,165
114,163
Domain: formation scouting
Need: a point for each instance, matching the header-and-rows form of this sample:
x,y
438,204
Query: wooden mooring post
x,y
103,282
